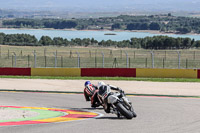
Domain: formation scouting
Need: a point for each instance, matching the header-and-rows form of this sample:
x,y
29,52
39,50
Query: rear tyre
x,y
128,114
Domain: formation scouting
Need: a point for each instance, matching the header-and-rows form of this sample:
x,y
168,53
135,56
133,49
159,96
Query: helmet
x,y
87,83
104,90
101,83
89,89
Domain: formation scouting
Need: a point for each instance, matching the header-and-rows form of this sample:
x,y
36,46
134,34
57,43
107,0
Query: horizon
x,y
102,5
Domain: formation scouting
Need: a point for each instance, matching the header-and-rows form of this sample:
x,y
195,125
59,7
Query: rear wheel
x,y
128,114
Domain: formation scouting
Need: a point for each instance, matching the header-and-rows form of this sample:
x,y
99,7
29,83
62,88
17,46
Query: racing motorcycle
x,y
117,102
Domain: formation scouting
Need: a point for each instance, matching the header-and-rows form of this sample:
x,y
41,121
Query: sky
x,y
102,5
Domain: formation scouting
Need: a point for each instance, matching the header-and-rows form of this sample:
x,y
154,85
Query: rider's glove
x,y
120,90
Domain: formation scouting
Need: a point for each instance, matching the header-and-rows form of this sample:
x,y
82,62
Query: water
x,y
98,35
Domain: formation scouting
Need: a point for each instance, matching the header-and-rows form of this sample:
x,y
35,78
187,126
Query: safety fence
x,y
100,58
103,72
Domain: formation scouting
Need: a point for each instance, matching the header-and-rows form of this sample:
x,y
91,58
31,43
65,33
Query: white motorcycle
x,y
116,102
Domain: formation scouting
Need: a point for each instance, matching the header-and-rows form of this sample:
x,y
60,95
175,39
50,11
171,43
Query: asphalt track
x,y
155,115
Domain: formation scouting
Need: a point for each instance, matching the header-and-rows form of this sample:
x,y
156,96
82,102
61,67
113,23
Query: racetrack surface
x,y
155,115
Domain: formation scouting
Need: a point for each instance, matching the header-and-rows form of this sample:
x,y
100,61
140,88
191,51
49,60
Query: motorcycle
x,y
117,102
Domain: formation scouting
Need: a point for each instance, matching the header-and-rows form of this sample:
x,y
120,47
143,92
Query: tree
x,y
154,26
183,30
116,26
45,41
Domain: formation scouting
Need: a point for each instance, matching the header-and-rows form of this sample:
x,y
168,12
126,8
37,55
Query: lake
x,y
98,35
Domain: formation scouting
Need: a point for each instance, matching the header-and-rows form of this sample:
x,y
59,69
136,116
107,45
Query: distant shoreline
x,y
110,31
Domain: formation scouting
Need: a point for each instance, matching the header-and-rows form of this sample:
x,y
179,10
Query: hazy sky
x,y
102,5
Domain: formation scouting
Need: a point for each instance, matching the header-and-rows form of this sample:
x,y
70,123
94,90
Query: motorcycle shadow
x,y
110,118
93,108
87,108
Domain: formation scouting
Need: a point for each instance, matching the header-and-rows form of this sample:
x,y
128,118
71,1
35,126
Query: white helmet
x,y
101,83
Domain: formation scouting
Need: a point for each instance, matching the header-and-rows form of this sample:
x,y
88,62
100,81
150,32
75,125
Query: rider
x,y
90,93
102,89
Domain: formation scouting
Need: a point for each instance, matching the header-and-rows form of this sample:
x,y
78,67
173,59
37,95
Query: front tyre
x,y
128,114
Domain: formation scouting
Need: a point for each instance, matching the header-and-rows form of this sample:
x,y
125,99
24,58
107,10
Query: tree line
x,y
164,23
156,42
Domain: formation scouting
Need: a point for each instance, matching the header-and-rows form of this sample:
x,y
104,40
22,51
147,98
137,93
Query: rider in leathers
x,y
102,86
90,93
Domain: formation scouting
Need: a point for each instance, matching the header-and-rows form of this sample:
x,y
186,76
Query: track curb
x,y
73,92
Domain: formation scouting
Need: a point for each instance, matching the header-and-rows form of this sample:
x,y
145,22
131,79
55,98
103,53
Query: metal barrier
x,y
102,59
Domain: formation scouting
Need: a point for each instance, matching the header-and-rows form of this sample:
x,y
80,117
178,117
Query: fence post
x,y
102,59
28,60
152,57
186,63
111,54
35,65
8,53
15,59
90,53
61,61
179,59
146,63
21,54
126,59
0,51
163,62
78,59
45,61
121,53
45,49
194,55
55,58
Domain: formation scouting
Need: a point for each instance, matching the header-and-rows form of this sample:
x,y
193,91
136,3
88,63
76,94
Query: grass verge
x,y
107,78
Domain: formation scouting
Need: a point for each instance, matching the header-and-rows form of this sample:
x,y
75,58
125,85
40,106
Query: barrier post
x,y
121,54
95,61
15,59
152,57
78,56
186,63
90,53
12,61
61,61
146,63
45,49
45,61
126,59
55,54
35,65
0,51
179,59
102,59
163,62
8,53
28,60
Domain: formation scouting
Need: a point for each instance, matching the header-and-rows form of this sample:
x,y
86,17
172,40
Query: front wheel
x,y
128,114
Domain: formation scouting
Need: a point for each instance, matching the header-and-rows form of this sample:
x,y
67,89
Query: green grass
x,y
107,78
92,57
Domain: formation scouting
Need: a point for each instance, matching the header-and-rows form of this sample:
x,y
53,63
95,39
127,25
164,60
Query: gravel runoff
x,y
11,114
